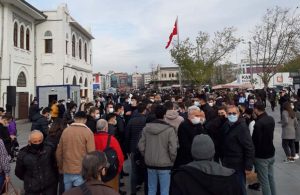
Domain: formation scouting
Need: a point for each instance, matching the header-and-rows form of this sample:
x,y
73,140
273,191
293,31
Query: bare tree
x,y
274,41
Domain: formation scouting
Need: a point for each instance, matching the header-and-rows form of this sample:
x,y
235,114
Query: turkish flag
x,y
174,32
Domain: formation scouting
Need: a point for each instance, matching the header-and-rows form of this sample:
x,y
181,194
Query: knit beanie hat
x,y
203,147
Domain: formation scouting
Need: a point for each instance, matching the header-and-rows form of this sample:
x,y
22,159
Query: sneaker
x,y
296,157
291,160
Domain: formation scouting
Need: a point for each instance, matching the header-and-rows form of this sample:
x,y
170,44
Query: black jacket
x,y
4,135
68,119
33,110
61,110
214,130
237,146
188,180
209,112
186,133
262,136
37,169
133,132
39,122
120,130
91,123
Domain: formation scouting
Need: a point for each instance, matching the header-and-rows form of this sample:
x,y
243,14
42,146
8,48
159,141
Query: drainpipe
x,y
2,33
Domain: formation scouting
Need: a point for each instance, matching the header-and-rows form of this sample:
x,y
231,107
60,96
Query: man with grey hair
x,y
187,130
103,141
36,165
237,146
94,166
102,125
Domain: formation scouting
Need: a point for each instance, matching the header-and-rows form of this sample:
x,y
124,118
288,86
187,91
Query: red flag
x,y
174,32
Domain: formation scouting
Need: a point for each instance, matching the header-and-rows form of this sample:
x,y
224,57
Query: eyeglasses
x,y
232,113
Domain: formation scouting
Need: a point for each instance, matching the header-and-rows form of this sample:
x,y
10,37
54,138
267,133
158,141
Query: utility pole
x,y
178,47
251,64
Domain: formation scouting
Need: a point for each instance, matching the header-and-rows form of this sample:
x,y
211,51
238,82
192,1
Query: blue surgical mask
x,y
232,118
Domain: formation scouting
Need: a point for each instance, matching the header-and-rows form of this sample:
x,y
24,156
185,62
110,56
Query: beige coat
x,y
76,141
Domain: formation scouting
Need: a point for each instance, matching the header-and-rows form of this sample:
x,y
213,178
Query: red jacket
x,y
101,141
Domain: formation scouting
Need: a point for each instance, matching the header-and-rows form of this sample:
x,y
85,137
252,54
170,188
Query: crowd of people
x,y
197,143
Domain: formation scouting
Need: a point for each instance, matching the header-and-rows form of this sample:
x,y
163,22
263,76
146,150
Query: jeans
x,y
72,180
289,147
163,176
133,174
242,180
2,178
297,147
265,175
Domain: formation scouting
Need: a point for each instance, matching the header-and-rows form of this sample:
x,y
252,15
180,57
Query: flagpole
x,y
178,47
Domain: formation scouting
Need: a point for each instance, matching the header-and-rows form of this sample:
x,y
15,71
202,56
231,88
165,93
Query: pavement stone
x,y
287,176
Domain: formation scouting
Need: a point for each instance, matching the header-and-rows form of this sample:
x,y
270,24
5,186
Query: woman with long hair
x,y
52,139
289,126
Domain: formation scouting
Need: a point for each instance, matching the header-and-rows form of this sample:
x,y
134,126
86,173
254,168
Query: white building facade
x,y
36,49
64,52
17,52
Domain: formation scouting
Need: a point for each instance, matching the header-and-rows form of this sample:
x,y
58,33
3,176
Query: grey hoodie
x,y
172,117
158,145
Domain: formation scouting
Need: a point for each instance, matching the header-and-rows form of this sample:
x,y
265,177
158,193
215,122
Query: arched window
x,y
21,82
16,34
85,52
80,80
79,47
74,81
85,82
67,80
22,37
73,45
48,42
27,39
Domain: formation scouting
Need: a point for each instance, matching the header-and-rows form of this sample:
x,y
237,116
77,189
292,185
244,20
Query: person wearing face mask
x,y
92,118
94,166
36,166
187,130
120,126
209,112
41,121
237,146
112,123
109,108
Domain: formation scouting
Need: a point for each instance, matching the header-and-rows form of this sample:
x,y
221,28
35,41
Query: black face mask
x,y
223,118
37,147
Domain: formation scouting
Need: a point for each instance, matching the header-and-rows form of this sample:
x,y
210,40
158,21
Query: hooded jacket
x,y
158,145
172,117
205,178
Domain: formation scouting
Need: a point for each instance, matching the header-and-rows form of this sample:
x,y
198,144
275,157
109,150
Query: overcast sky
x,y
130,33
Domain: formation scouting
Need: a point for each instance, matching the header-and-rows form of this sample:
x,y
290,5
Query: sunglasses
x,y
232,113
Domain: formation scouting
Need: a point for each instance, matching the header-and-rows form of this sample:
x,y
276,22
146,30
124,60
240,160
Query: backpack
x,y
113,161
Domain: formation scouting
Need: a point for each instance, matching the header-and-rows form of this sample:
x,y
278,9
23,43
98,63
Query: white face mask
x,y
196,103
211,104
110,110
202,120
196,120
97,116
